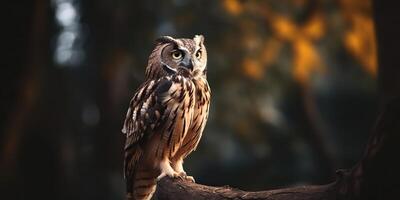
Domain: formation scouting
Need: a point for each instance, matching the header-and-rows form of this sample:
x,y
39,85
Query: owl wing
x,y
157,107
143,114
144,111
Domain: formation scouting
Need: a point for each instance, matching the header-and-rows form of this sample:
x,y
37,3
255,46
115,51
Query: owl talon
x,y
185,177
166,170
182,174
172,175
190,179
182,178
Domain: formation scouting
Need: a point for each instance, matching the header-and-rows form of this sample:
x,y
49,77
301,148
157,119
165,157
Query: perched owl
x,y
167,115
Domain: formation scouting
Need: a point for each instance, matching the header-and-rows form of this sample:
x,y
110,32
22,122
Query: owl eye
x,y
176,55
198,54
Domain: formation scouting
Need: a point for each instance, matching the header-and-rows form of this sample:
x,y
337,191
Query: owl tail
x,y
143,185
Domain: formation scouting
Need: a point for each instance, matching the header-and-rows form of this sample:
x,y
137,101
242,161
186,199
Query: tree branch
x,y
182,190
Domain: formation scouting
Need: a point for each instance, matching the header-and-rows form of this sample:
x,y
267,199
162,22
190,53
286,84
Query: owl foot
x,y
172,175
166,170
178,167
183,176
190,179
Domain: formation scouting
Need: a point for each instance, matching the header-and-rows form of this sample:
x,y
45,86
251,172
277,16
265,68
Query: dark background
x,y
293,91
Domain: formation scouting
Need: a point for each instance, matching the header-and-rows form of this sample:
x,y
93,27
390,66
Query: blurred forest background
x,y
293,91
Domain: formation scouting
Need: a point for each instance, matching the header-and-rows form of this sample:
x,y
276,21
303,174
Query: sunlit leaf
x,y
314,28
360,42
253,69
233,6
284,28
306,60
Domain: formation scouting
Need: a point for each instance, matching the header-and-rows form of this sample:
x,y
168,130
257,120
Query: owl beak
x,y
189,65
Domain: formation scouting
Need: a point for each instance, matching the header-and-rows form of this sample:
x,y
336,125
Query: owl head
x,y
187,57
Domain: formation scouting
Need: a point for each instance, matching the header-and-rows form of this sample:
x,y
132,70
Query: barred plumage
x,y
167,114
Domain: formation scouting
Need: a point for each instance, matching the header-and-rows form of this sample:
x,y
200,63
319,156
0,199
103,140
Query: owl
x,y
167,114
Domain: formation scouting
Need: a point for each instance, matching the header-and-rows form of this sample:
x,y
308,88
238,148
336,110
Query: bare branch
x,y
182,190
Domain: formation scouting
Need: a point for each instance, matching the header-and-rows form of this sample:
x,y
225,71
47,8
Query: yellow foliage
x,y
288,30
359,38
233,6
360,41
306,60
314,28
253,69
284,28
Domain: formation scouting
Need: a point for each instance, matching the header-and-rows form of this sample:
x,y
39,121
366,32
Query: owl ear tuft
x,y
199,39
166,39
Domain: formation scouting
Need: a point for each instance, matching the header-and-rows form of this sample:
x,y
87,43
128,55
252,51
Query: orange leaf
x,y
314,28
360,41
284,28
253,68
233,6
306,60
